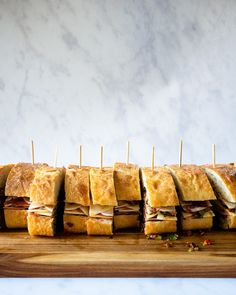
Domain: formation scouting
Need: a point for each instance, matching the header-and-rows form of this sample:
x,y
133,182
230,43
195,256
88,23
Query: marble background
x,y
104,72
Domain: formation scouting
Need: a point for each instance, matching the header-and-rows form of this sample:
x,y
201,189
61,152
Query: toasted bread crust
x,y
77,186
75,224
160,227
4,171
160,187
102,186
15,218
46,185
96,226
41,225
126,221
196,223
192,183
127,182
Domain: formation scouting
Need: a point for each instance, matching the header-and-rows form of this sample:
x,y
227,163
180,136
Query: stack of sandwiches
x,y
101,211
4,171
17,191
195,194
160,199
223,181
128,193
77,199
45,214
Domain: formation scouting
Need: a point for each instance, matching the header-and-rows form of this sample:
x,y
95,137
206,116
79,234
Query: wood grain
x,y
125,255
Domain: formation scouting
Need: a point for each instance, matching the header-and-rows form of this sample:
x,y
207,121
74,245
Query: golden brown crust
x,y
98,226
227,175
15,218
192,183
41,225
160,187
160,227
4,171
75,224
127,182
126,221
19,180
102,186
46,185
196,223
77,186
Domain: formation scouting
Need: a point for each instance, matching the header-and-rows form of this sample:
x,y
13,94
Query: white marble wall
x,y
102,72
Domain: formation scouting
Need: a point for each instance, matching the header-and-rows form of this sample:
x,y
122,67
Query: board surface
x,y
124,255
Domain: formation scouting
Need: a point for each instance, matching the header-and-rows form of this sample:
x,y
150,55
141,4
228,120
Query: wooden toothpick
x,y
213,155
128,152
80,156
180,152
101,157
32,151
55,157
153,157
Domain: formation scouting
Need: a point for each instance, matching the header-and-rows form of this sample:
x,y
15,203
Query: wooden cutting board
x,y
124,255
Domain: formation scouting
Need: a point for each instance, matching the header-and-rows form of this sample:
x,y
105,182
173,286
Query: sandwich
x,y
195,193
4,171
101,211
77,199
223,181
160,199
45,214
128,192
17,193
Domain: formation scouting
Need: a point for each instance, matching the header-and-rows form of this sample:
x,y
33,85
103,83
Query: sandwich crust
x,y
4,171
126,221
127,182
98,226
102,186
227,222
196,223
77,186
75,224
41,225
19,180
46,185
15,218
160,227
160,187
192,183
223,179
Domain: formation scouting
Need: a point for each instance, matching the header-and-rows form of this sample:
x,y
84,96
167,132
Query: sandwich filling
x,y
101,212
42,210
196,209
76,209
127,208
17,203
223,206
158,213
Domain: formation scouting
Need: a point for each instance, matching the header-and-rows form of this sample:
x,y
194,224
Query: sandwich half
x,y
77,199
128,192
223,181
101,212
4,171
195,193
160,199
45,214
17,193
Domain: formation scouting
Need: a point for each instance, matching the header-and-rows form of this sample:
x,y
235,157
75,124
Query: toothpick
x,y
180,152
32,151
80,156
55,157
153,157
128,152
101,157
213,155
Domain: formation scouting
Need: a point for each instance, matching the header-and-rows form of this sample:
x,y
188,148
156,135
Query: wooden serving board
x,y
124,255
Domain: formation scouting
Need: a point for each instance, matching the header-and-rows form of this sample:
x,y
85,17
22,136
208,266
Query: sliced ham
x,y
17,203
101,211
76,209
127,207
